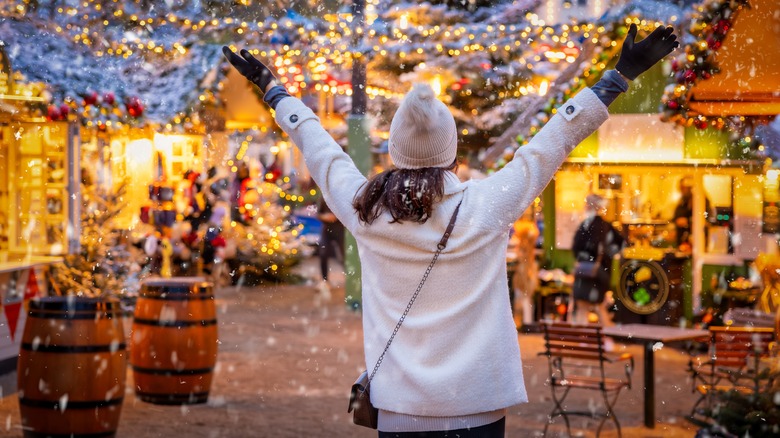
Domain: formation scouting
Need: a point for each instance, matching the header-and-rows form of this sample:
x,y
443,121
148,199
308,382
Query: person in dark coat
x,y
331,243
596,240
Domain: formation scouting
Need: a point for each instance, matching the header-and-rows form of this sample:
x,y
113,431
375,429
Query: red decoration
x,y
64,111
722,27
134,107
53,113
672,105
109,98
689,76
90,98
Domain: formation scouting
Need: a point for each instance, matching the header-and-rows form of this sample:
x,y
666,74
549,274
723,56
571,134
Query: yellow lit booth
x,y
38,216
638,162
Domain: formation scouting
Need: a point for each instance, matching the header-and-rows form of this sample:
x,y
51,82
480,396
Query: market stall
x,y
691,193
37,212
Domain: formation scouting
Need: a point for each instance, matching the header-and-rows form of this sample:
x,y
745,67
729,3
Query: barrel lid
x,y
176,285
72,303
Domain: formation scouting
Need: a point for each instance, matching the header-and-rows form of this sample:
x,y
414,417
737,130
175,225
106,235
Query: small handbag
x,y
584,269
360,401
363,412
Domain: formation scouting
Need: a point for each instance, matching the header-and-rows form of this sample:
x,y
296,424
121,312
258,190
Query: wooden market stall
x,y
38,215
637,163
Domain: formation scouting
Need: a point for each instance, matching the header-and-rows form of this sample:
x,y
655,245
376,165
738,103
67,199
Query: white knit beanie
x,y
422,133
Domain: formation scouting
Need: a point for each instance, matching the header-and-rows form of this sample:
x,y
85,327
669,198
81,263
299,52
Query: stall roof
x,y
749,80
166,87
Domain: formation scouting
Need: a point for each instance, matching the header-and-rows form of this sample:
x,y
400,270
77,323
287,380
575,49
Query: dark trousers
x,y
492,430
331,245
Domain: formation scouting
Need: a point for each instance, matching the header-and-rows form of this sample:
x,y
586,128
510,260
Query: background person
x,y
454,368
331,244
525,280
683,214
595,241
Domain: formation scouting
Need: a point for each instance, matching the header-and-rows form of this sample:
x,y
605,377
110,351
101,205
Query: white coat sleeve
x,y
331,168
505,195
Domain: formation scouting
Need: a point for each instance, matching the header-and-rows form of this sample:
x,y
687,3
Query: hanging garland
x,y
605,51
102,111
696,62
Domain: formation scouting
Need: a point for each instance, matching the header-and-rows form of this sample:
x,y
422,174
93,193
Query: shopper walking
x,y
454,366
331,245
595,245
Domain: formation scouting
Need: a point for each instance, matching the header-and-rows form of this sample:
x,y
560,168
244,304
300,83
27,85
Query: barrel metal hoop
x,y
41,348
170,372
176,323
55,404
175,296
47,314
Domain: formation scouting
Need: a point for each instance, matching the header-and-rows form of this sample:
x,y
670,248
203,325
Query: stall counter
x,y
21,278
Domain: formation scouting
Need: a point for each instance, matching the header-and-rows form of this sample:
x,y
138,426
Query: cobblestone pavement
x,y
287,358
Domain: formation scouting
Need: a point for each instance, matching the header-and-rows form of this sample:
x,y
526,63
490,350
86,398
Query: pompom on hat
x,y
423,132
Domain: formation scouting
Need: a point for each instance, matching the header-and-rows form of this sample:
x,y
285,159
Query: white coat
x,y
457,352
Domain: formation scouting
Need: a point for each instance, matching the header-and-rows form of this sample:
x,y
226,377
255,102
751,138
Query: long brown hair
x,y
407,194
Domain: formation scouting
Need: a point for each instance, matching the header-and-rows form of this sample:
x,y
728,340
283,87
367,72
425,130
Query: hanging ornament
x,y
134,107
53,113
90,98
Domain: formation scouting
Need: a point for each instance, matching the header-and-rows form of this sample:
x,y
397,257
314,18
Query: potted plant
x,y
73,360
736,414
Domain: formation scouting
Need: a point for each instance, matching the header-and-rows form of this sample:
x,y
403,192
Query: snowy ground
x,y
286,361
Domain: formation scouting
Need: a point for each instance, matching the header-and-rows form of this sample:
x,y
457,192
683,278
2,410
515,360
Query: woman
x,y
454,367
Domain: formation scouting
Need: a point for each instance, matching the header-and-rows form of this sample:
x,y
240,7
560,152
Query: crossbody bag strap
x,y
439,247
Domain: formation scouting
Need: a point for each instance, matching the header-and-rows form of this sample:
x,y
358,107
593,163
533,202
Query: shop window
x,y
720,217
33,188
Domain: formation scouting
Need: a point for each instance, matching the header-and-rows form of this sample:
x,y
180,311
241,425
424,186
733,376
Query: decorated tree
x,y
104,264
268,242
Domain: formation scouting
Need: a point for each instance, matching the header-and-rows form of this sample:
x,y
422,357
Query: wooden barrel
x,y
71,368
173,346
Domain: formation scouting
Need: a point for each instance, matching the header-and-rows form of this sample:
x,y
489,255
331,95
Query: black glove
x,y
636,58
250,68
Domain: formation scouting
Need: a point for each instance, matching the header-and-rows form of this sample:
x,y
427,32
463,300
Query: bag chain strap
x,y
442,244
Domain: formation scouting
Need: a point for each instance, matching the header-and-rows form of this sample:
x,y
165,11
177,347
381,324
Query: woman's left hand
x,y
251,68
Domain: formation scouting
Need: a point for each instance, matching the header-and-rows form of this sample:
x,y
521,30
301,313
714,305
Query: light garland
x,y
709,27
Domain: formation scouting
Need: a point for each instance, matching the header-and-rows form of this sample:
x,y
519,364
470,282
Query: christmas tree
x,y
105,264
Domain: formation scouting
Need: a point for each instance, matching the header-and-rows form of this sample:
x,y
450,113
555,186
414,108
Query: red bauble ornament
x,y
64,111
134,107
700,123
689,76
53,112
722,27
109,98
672,105
90,98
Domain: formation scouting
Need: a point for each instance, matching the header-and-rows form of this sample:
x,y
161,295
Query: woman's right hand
x,y
251,68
